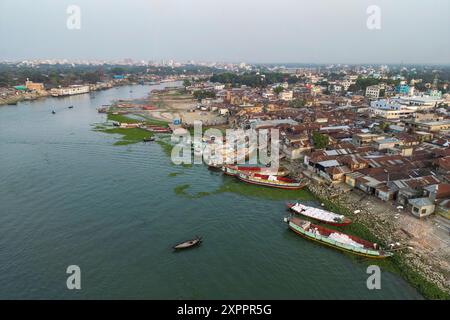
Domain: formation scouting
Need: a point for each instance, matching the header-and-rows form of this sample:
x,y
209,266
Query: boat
x,y
53,112
188,244
270,181
324,216
214,167
336,239
233,170
149,139
70,107
159,129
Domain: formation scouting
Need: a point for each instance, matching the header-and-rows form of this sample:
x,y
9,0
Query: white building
x,y
423,102
390,109
374,92
286,95
68,91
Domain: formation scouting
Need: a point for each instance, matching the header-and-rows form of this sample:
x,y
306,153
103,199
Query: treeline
x,y
362,83
203,94
252,79
66,74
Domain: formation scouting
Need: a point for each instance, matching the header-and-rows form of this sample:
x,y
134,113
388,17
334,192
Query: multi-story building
x,y
375,92
68,91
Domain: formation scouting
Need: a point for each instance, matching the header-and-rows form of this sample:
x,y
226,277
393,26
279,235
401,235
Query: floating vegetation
x,y
181,191
166,146
129,136
121,118
174,174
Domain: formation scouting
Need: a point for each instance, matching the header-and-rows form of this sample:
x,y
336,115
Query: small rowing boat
x,y
188,244
271,181
336,239
149,139
324,216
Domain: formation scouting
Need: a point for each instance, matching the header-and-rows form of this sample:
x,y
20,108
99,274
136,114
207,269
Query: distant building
x,y
421,207
402,89
390,109
34,86
374,92
68,91
364,139
286,95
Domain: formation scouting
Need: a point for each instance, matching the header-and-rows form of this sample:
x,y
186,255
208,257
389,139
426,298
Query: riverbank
x,y
176,103
425,271
15,97
27,96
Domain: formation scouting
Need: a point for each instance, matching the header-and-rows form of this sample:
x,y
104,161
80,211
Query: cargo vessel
x,y
336,239
324,216
270,181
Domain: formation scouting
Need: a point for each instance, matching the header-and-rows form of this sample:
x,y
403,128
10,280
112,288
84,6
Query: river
x,y
68,196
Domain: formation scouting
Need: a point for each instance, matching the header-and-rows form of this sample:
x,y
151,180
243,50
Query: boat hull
x,y
373,254
272,185
344,223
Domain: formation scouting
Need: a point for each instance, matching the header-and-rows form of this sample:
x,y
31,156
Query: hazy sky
x,y
412,31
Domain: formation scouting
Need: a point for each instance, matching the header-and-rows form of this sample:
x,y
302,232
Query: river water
x,y
68,196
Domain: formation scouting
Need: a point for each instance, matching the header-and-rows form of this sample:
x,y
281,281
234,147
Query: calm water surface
x,y
68,196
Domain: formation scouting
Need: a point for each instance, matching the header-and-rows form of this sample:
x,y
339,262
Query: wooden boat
x,y
233,170
336,239
324,216
271,181
149,139
159,129
188,244
214,167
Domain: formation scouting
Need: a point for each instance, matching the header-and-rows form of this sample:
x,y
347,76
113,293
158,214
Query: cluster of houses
x,y
373,144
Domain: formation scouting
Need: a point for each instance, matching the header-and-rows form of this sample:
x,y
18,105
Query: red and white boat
x,y
159,129
270,181
234,170
324,216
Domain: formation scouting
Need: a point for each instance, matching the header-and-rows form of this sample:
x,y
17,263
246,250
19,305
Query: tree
x,y
297,103
320,140
278,90
202,94
384,126
187,83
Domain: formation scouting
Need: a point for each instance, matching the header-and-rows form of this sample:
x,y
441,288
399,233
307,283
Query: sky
x,y
253,31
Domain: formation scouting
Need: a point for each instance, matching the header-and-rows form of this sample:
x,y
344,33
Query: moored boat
x,y
271,181
234,170
159,129
324,216
336,239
